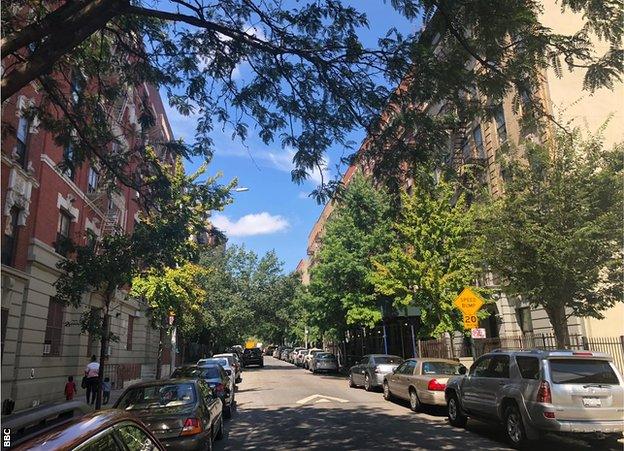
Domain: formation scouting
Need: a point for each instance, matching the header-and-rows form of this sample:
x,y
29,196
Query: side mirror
x,y
462,369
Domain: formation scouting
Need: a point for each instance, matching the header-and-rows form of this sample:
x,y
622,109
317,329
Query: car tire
x,y
351,383
514,427
387,394
455,415
414,401
219,435
239,380
368,386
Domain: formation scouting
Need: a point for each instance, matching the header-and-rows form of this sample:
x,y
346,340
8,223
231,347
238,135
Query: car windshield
x,y
222,362
388,359
440,368
209,372
327,356
581,371
157,396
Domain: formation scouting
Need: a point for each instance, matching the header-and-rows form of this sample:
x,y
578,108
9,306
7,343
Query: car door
x,y
471,387
404,379
393,378
491,385
360,370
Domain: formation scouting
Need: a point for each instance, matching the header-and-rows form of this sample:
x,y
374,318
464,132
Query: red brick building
x,y
41,204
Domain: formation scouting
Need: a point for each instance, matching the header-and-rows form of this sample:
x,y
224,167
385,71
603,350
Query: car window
x,y
205,391
409,367
528,367
580,371
136,439
365,360
157,396
480,368
392,360
102,442
400,368
500,367
440,368
208,372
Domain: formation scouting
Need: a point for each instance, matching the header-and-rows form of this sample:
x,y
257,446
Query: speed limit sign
x,y
471,321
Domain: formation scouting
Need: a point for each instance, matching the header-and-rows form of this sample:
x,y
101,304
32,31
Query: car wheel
x,y
351,383
368,386
514,429
386,391
239,380
456,417
414,401
219,435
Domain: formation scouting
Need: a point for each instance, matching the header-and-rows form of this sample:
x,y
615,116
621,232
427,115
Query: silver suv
x,y
541,391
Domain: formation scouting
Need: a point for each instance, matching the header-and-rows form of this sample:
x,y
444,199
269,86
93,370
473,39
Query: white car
x,y
299,357
235,363
307,357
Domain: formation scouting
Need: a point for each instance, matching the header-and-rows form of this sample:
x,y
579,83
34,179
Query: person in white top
x,y
92,372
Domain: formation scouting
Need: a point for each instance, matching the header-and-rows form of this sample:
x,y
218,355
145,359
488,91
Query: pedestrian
x,y
92,372
70,388
106,389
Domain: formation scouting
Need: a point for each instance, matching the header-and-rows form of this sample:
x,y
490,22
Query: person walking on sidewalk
x,y
92,371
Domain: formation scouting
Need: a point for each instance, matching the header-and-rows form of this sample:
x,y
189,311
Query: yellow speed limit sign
x,y
469,303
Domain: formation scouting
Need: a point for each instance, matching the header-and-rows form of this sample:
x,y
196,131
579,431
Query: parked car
x,y
277,352
235,363
324,361
103,429
285,352
253,356
293,354
184,414
371,370
307,357
300,356
216,378
421,381
226,363
536,391
269,350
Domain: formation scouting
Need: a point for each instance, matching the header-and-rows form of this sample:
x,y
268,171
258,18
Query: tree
x,y
159,240
174,290
555,237
358,230
311,79
436,254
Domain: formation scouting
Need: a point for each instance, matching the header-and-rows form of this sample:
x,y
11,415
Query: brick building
x,y
42,203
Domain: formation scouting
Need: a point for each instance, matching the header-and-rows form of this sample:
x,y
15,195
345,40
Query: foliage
x,y
307,79
556,236
358,230
435,255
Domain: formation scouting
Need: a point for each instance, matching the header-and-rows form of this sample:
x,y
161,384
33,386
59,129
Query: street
x,y
277,409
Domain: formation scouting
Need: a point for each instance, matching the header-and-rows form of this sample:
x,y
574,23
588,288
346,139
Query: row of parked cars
x,y
184,412
314,359
529,392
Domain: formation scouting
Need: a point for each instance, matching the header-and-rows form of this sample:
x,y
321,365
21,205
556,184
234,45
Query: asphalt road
x,y
277,410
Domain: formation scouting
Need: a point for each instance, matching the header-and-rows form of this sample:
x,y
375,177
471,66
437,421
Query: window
x,y
68,161
23,125
465,147
158,396
408,367
136,439
525,322
5,318
92,182
478,139
77,87
130,329
501,127
581,371
62,232
529,367
54,329
9,238
480,368
500,367
440,368
101,442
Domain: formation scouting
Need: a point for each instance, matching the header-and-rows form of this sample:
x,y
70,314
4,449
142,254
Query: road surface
x,y
283,407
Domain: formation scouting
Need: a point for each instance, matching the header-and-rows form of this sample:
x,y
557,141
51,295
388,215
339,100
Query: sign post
x,y
469,303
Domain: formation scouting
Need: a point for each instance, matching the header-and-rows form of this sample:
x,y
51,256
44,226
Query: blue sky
x,y
275,213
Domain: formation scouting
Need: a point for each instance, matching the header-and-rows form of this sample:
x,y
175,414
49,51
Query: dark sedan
x,y
183,413
253,356
216,377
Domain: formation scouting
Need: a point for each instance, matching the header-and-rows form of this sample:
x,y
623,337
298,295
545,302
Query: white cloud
x,y
251,224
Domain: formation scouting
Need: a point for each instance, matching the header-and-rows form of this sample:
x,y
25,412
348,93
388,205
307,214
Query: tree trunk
x,y
103,348
161,338
559,321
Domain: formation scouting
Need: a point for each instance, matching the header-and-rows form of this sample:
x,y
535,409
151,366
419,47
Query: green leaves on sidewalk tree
x,y
358,229
435,255
555,238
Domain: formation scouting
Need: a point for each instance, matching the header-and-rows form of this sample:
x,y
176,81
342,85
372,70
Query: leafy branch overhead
x,y
306,78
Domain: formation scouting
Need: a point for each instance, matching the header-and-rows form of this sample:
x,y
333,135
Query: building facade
x,y
44,203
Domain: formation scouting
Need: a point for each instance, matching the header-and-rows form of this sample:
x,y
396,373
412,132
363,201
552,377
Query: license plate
x,y
592,402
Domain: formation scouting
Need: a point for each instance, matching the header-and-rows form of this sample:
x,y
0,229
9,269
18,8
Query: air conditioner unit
x,y
47,348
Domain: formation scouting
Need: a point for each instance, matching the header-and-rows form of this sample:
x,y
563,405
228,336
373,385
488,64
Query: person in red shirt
x,y
70,388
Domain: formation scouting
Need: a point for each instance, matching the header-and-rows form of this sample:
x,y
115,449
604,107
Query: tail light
x,y
543,394
192,426
434,385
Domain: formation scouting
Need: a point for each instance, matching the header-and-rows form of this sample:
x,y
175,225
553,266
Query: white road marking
x,y
321,398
